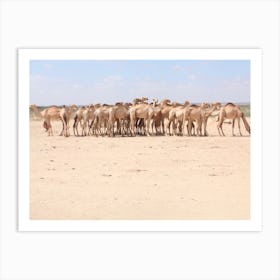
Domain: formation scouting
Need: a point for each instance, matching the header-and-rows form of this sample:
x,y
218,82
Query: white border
x,y
254,224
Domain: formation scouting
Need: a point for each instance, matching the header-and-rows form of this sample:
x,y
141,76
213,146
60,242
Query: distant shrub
x,y
246,109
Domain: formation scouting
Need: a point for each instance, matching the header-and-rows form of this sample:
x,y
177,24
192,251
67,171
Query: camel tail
x,y
246,124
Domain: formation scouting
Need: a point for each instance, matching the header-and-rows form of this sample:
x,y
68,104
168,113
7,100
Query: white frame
x,y
26,224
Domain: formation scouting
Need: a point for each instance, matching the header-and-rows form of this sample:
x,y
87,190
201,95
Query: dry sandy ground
x,y
157,177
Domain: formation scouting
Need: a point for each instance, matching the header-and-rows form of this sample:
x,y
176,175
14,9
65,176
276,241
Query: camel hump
x,y
230,104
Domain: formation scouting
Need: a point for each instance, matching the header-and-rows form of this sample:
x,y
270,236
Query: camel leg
x,y
49,126
199,128
174,128
91,127
148,121
198,131
219,127
75,125
74,129
180,128
145,127
62,130
222,131
168,128
162,126
238,121
189,128
205,126
84,133
132,127
183,128
233,121
50,130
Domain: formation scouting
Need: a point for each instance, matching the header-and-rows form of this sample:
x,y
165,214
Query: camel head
x,y
90,106
165,101
155,101
216,105
204,105
136,100
143,99
186,103
74,107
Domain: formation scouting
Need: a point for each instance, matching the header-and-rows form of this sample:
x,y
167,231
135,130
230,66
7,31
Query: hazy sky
x,y
58,82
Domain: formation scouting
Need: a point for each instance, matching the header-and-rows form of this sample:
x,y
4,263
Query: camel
x,y
205,114
141,111
194,113
100,117
87,116
139,123
48,114
232,111
65,115
176,117
200,115
78,120
118,113
156,118
165,106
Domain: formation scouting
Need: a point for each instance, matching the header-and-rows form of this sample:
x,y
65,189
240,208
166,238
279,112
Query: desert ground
x,y
158,177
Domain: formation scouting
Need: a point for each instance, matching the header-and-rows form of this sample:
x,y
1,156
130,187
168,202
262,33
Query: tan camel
x,y
206,113
118,114
65,114
48,114
194,113
78,118
176,118
87,117
156,118
165,106
141,111
232,111
100,120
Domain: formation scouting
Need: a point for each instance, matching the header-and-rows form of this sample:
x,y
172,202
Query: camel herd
x,y
141,117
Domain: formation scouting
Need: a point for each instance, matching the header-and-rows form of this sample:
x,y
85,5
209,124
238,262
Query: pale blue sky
x,y
58,82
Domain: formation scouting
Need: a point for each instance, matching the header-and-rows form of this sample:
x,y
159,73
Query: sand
x,y
159,177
